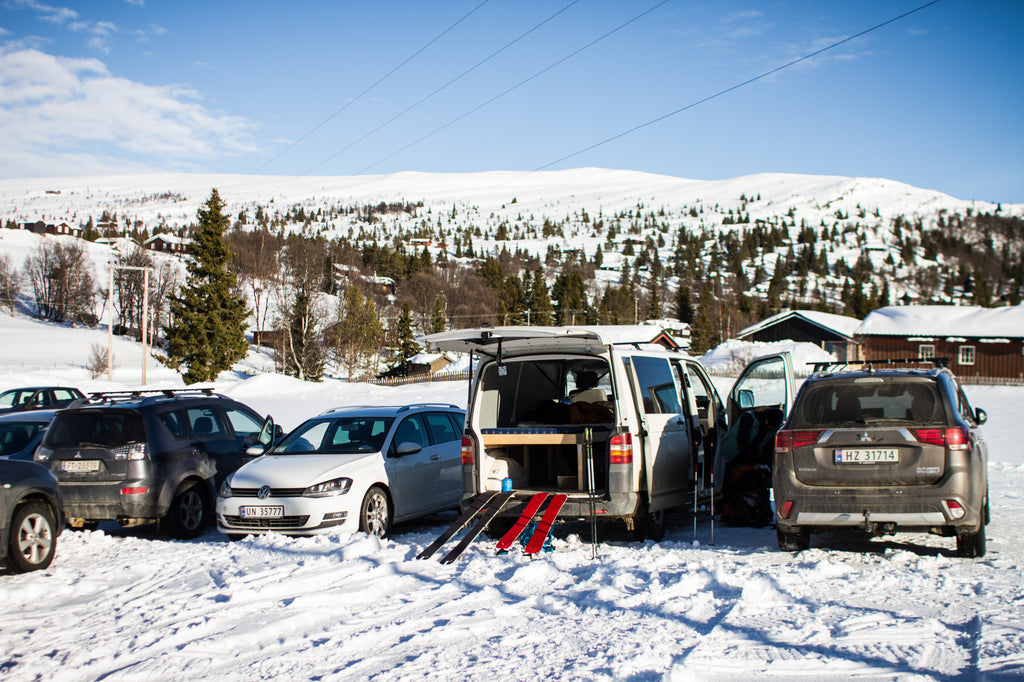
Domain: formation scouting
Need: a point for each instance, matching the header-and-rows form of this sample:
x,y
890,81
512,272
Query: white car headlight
x,y
225,488
336,486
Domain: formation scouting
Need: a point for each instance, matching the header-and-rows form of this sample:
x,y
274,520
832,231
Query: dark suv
x,y
142,456
883,450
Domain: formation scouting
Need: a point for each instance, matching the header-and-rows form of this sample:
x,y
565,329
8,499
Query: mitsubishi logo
x,y
78,455
264,492
864,437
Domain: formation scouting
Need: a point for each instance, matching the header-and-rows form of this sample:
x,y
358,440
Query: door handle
x,y
434,458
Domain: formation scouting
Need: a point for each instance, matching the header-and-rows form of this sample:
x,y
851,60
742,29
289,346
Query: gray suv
x,y
883,450
143,456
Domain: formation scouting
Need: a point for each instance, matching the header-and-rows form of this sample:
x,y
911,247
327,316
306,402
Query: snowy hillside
x,y
126,604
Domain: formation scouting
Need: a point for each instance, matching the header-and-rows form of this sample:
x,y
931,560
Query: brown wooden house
x,y
832,333
979,342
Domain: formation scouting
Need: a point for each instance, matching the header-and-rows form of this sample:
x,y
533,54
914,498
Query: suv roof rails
x,y
870,364
147,396
405,408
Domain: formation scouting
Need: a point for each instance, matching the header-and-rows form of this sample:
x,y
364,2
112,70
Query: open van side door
x,y
764,383
764,390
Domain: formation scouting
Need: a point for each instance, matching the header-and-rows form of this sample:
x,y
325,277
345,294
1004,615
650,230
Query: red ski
x,y
544,526
534,504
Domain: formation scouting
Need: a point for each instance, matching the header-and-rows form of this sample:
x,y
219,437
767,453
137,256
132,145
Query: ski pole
x,y
712,505
588,440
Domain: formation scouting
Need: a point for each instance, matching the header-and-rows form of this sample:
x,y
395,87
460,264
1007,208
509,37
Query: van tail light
x,y
468,455
138,490
956,510
785,441
952,438
786,509
620,449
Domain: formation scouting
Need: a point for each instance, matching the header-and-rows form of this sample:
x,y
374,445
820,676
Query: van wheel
x,y
653,525
793,542
188,512
375,513
33,538
971,545
988,516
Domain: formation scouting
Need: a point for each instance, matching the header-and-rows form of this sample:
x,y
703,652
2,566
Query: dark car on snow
x,y
22,431
38,397
143,456
31,516
883,450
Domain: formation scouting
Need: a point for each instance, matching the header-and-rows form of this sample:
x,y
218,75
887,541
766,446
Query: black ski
x,y
474,508
485,517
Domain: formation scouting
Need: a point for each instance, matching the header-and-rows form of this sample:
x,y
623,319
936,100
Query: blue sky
x,y
934,100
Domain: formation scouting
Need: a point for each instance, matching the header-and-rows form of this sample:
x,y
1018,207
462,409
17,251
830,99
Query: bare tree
x,y
10,283
62,283
255,258
128,288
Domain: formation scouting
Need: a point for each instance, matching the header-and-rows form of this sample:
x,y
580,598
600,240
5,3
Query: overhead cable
x,y
514,87
453,80
368,89
737,86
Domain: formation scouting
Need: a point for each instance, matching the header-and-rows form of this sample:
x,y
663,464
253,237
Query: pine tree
x,y
541,310
439,317
407,346
206,334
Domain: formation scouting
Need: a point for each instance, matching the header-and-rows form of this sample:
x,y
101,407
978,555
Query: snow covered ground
x,y
126,604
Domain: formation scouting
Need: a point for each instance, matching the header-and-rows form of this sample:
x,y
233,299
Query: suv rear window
x,y
869,400
104,428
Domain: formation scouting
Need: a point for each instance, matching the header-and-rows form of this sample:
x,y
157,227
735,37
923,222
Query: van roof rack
x,y
830,366
147,396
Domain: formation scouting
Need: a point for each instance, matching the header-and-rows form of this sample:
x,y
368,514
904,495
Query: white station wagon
x,y
359,468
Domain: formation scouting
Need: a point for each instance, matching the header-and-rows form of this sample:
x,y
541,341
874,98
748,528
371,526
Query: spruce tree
x,y
405,338
206,334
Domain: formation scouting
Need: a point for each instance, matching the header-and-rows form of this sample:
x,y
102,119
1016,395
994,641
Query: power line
x,y
371,87
737,86
516,86
453,80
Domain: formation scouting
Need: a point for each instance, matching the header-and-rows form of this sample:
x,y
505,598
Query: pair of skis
x,y
484,508
540,535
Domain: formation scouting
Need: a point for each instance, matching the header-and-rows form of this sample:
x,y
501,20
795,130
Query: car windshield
x,y
14,436
868,401
96,428
340,435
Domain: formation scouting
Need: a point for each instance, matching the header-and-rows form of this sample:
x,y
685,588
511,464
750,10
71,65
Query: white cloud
x,y
58,111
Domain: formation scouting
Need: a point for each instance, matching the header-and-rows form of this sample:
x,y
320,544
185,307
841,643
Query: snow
x,y
126,604
941,320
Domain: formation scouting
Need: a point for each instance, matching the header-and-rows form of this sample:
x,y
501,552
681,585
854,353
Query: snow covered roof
x,y
945,320
841,324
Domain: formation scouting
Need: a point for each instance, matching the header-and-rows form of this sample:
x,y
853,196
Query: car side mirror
x,y
254,450
407,448
980,415
745,398
268,434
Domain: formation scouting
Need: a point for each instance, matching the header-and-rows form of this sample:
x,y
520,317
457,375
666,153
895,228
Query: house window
x,y
926,351
966,355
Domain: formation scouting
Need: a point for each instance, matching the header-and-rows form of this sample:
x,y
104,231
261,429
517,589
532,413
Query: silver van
x,y
552,408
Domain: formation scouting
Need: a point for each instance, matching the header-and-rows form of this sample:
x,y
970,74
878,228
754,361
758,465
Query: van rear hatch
x,y
513,341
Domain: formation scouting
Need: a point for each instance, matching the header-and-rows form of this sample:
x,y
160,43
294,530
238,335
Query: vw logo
x,y
264,492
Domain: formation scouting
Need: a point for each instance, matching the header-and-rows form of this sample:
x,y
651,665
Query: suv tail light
x,y
620,449
785,441
467,450
956,510
786,509
952,438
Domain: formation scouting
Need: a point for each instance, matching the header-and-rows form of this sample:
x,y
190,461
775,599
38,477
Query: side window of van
x,y
657,386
